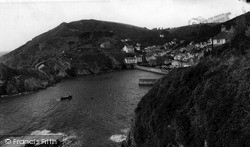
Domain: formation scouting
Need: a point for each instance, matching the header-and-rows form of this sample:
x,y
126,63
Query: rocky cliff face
x,y
205,105
52,70
15,81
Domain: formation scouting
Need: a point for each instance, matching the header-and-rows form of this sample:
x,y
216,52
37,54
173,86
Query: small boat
x,y
69,97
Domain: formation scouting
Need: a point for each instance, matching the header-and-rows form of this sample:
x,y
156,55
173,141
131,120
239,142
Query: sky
x,y
22,20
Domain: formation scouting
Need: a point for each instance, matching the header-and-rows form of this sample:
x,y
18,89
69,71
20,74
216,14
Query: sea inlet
x,y
99,114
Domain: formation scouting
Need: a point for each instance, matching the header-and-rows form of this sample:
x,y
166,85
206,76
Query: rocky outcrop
x,y
47,72
205,105
15,81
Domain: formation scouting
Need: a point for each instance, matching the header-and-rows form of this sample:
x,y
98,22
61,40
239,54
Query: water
x,y
98,115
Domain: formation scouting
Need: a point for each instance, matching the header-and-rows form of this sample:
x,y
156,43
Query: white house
x,y
130,60
223,37
177,63
128,49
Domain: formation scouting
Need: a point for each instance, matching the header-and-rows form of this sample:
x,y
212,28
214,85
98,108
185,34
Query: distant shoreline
x,y
47,86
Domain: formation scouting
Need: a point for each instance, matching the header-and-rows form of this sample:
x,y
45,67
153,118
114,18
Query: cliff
x,y
205,105
15,81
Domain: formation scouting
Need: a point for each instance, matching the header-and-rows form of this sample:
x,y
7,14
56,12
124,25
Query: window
x,y
218,40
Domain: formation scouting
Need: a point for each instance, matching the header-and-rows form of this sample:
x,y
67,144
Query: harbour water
x,y
98,115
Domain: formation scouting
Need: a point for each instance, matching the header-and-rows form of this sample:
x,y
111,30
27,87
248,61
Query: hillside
x,y
202,32
82,34
204,105
71,49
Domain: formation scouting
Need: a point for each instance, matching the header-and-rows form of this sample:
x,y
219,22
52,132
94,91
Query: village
x,y
170,55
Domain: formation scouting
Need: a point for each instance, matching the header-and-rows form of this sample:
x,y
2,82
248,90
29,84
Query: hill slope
x,y
77,48
82,34
204,105
203,32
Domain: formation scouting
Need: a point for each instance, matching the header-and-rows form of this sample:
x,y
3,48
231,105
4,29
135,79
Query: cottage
x,y
167,62
177,63
130,60
128,49
139,58
190,47
223,37
151,60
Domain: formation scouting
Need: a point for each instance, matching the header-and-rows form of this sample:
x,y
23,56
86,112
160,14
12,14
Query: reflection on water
x,y
102,106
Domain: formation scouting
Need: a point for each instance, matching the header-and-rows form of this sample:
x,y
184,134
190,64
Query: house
x,y
128,49
223,37
177,63
139,58
138,46
130,60
168,59
190,47
182,49
151,60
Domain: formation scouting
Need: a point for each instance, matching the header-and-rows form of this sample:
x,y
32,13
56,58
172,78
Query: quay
x,y
151,69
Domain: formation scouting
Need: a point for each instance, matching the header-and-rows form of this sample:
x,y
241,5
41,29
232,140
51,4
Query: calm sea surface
x,y
98,115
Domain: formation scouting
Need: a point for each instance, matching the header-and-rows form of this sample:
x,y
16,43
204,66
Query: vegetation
x,y
204,105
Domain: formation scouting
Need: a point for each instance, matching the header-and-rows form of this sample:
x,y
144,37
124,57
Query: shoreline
x,y
56,82
151,69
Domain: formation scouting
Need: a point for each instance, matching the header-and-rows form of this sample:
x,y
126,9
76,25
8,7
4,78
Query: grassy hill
x,y
202,32
78,34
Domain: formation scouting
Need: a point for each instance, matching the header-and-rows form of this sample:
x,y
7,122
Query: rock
x,y
11,89
32,84
197,106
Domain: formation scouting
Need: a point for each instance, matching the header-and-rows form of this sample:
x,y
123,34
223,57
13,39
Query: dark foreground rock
x,y
205,105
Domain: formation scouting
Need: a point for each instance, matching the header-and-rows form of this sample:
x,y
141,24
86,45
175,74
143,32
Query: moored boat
x,y
69,97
